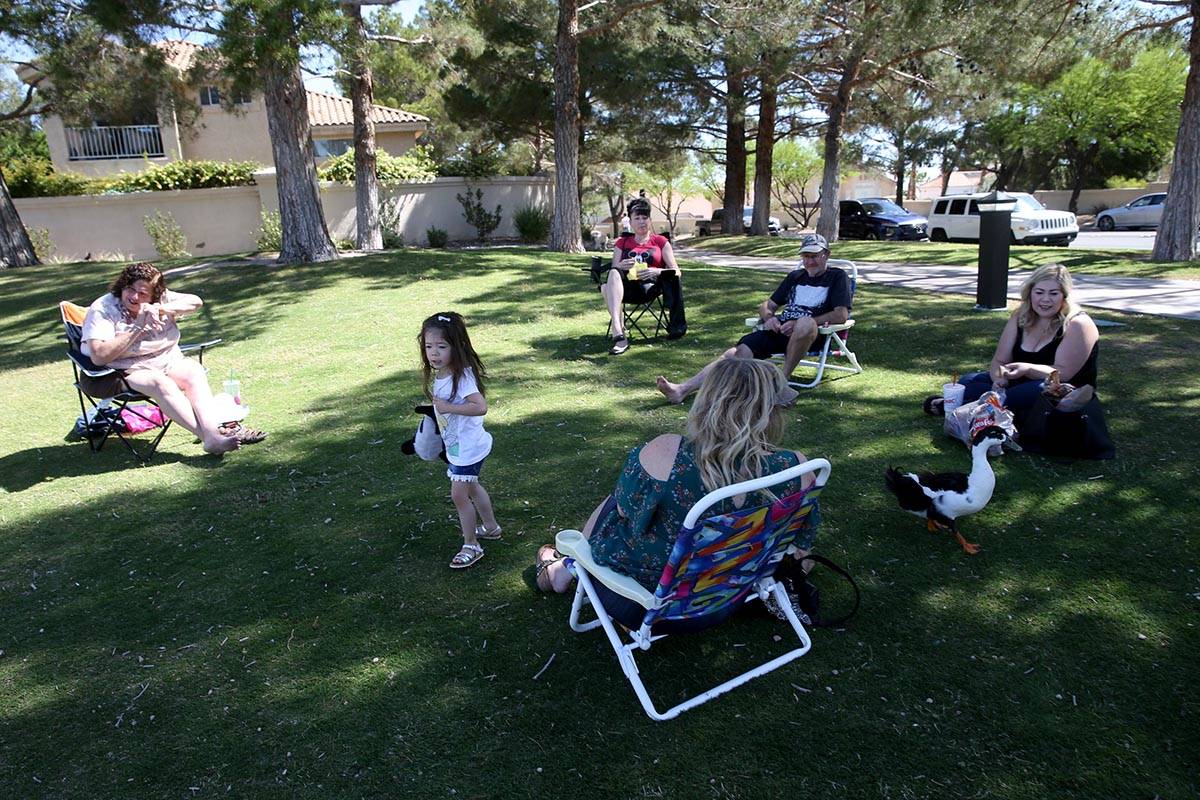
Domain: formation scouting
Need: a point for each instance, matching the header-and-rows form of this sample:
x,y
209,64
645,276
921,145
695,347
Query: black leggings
x,y
669,286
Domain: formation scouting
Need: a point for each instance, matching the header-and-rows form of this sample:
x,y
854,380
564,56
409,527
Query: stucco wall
x,y
219,221
214,220
220,135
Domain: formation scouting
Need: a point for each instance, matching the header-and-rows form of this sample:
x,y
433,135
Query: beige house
x,y
217,133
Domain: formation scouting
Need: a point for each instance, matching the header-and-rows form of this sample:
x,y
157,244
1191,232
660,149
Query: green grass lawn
x,y
1129,263
281,622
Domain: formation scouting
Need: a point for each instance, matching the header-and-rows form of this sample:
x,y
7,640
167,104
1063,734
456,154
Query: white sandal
x,y
483,533
467,556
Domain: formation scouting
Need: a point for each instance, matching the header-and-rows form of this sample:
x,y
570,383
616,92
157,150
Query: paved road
x,y
1131,240
1167,298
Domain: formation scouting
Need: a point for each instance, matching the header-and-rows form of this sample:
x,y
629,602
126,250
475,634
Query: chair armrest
x,y
201,346
754,322
843,326
573,544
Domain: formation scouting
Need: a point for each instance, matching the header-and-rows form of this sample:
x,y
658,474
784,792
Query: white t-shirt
x,y
106,320
465,439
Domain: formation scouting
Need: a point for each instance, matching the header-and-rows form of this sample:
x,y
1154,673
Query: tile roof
x,y
329,109
323,109
179,54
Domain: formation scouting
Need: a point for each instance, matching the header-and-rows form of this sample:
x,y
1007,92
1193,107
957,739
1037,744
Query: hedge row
x,y
32,177
415,165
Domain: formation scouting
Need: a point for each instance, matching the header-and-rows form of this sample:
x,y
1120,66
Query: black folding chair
x,y
106,418
632,312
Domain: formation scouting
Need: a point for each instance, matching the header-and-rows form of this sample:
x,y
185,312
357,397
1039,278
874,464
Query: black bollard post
x,y
995,235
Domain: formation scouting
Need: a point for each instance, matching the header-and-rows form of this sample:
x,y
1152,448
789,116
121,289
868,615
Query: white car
x,y
956,219
1145,212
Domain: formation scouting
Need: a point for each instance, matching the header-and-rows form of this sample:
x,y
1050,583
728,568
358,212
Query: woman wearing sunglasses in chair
x,y
732,434
131,329
643,267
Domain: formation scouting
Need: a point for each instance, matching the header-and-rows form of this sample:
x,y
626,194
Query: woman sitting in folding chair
x,y
132,330
643,268
732,432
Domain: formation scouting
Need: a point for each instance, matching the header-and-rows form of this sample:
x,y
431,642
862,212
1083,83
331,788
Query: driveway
x,y
1165,298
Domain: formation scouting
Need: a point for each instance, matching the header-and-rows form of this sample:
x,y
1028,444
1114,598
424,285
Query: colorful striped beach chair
x,y
716,564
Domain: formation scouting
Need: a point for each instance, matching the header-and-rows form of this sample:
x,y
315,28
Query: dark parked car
x,y
879,218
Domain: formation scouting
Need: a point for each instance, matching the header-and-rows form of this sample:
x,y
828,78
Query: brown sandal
x,y
243,434
547,557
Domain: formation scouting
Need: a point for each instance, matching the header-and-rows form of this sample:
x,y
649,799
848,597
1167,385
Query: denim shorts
x,y
469,473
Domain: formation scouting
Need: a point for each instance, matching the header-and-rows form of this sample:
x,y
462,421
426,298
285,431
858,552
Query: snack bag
x,y
968,419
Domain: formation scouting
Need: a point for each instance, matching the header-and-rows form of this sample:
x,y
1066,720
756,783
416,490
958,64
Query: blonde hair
x,y
736,421
1058,273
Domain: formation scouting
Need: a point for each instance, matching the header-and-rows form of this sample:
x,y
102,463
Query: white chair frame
x,y
834,345
572,543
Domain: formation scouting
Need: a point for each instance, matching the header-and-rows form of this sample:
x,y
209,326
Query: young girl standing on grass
x,y
453,380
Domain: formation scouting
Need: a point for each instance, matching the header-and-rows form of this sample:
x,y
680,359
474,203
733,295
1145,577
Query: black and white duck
x,y
942,497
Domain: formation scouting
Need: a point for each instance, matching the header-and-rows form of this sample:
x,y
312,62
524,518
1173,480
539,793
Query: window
x,y
958,206
941,206
973,209
211,96
327,148
1157,200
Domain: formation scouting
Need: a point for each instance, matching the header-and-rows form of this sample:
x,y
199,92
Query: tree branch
x,y
24,110
383,37
622,14
1161,23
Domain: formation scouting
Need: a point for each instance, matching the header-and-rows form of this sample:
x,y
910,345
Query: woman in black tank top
x,y
1047,332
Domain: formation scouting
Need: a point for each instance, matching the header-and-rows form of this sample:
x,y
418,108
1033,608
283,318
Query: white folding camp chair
x,y
833,340
716,564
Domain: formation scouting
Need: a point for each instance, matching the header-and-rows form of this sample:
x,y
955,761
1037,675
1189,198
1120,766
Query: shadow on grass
x,y
292,609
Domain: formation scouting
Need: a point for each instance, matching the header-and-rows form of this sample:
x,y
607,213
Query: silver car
x,y
1145,212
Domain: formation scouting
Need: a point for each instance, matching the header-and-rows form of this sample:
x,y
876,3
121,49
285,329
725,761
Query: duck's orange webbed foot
x,y
968,548
932,526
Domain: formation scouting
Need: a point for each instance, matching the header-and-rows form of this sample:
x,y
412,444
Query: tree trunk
x,y
15,248
911,193
735,152
901,167
764,153
369,236
305,236
951,164
827,224
565,227
1176,239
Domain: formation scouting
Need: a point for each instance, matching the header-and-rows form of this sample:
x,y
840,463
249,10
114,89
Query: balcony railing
x,y
114,141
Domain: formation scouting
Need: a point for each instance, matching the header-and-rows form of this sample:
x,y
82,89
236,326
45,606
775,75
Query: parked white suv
x,y
956,219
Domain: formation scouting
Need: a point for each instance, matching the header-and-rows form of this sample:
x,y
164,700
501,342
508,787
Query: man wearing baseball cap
x,y
814,295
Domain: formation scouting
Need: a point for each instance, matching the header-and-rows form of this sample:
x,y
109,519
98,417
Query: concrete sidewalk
x,y
1165,298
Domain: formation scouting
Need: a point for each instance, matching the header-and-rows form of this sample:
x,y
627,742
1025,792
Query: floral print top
x,y
636,534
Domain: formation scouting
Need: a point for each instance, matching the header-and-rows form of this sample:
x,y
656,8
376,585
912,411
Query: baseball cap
x,y
814,243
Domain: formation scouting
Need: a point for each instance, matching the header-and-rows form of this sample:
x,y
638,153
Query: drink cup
x,y
952,396
233,388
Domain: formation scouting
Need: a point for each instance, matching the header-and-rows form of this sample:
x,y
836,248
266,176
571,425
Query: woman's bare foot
x,y
672,391
221,444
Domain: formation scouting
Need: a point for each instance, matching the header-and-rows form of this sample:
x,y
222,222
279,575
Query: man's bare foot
x,y
221,444
672,391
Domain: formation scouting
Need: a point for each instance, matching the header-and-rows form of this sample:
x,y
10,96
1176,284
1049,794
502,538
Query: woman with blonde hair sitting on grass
x,y
733,432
